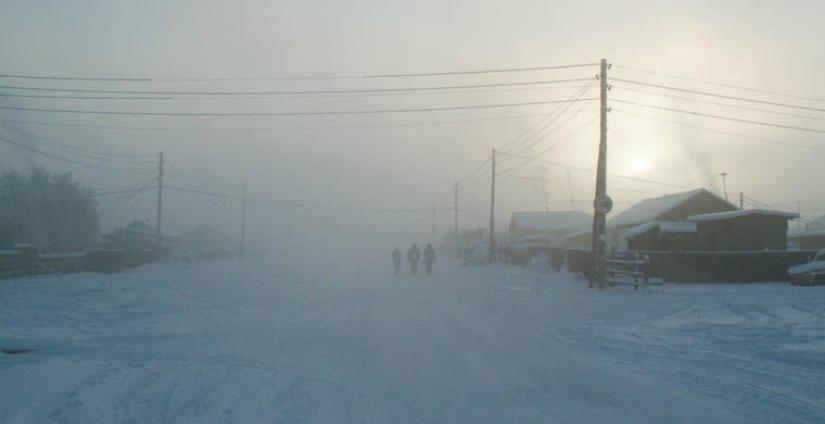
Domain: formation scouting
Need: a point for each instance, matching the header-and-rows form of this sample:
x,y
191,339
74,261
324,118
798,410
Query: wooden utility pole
x,y
243,223
160,202
602,203
493,211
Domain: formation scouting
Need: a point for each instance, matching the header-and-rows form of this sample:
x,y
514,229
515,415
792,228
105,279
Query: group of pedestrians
x,y
414,256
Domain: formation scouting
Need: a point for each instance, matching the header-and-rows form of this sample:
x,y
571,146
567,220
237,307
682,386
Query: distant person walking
x,y
396,260
429,258
413,255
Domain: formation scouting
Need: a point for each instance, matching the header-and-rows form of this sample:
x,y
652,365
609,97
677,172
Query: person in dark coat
x,y
413,255
396,260
429,258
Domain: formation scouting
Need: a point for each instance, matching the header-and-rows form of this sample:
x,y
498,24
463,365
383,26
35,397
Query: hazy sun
x,y
640,165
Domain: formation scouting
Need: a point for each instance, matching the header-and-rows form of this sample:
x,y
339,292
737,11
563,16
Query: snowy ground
x,y
256,342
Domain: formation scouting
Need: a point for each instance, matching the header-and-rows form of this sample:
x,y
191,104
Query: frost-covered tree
x,y
50,212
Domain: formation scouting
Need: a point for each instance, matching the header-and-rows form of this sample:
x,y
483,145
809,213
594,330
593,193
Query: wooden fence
x,y
705,267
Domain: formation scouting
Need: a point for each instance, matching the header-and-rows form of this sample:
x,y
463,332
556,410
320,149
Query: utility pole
x,y
456,210
741,200
243,223
724,184
160,201
493,210
602,203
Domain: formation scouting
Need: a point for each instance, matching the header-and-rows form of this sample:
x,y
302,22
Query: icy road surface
x,y
255,342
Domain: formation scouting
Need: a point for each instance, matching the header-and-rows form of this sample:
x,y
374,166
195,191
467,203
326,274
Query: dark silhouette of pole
x,y
602,203
493,210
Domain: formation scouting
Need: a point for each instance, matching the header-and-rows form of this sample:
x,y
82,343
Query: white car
x,y
811,273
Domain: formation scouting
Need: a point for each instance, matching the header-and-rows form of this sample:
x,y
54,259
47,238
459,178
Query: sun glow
x,y
640,165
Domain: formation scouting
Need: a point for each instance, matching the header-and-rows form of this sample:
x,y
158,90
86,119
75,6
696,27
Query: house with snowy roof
x,y
547,226
748,229
531,233
659,222
137,235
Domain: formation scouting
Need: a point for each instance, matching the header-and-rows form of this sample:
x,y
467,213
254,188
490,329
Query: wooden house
x,y
531,233
750,229
137,235
670,208
678,236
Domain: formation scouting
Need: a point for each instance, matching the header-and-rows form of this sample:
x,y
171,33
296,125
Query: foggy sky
x,y
344,176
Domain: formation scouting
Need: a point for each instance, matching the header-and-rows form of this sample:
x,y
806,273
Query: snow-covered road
x,y
255,342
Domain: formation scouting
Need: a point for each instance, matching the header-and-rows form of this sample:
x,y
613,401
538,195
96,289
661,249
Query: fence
x,y
632,272
706,267
27,262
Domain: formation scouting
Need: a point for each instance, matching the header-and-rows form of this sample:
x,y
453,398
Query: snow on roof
x,y
664,227
802,232
717,216
650,209
544,221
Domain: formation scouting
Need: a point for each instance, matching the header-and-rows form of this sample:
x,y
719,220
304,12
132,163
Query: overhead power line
x,y
317,77
537,139
62,159
719,84
36,96
552,118
732,134
127,195
257,129
523,177
350,112
580,169
105,79
68,78
129,159
726,118
125,191
295,205
486,71
475,171
295,92
729,105
721,96
558,143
